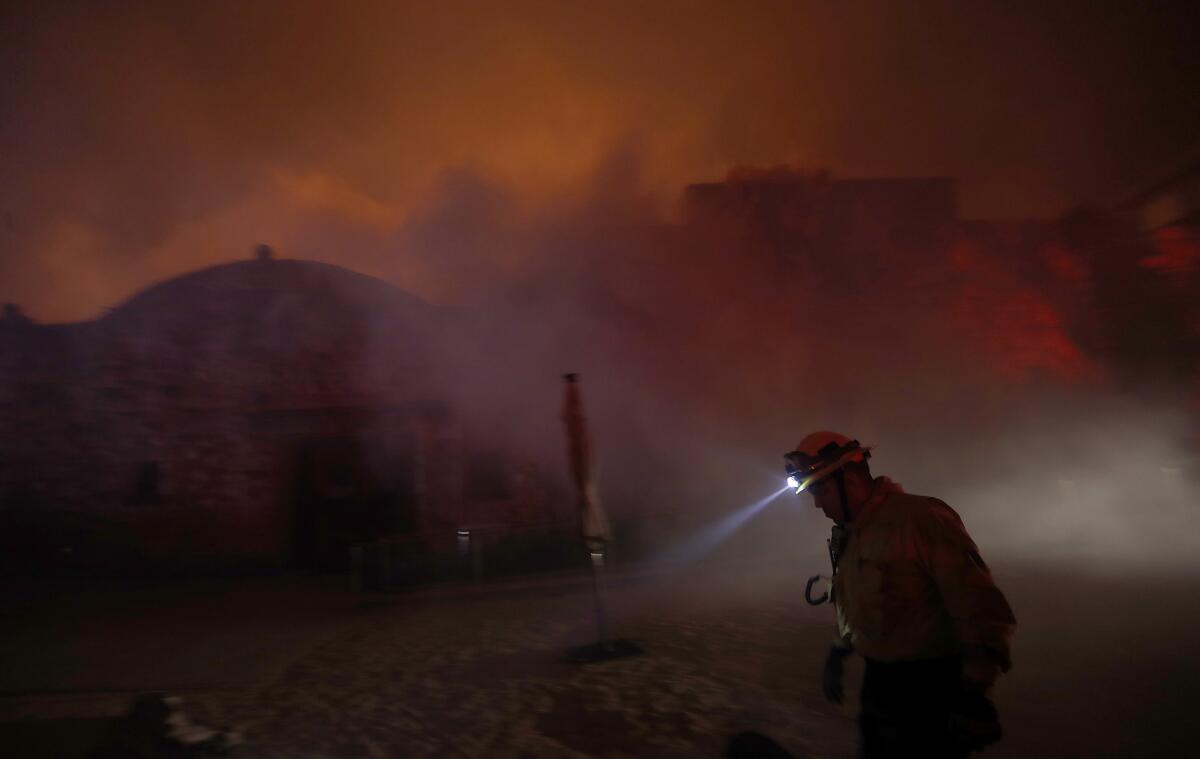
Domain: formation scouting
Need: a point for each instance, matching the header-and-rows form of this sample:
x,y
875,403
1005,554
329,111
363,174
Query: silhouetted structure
x,y
1113,288
270,412
799,215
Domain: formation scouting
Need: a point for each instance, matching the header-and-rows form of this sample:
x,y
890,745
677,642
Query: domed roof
x,y
279,324
251,283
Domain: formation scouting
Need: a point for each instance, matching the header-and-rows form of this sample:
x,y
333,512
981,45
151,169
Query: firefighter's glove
x,y
831,678
974,722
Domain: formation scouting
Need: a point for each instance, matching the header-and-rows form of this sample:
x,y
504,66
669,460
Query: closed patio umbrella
x,y
593,524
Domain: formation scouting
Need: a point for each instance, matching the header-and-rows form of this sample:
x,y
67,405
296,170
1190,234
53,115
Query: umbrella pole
x,y
606,648
594,530
598,585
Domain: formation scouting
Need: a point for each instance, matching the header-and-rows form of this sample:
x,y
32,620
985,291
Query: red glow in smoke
x,y
1066,265
1020,333
1177,251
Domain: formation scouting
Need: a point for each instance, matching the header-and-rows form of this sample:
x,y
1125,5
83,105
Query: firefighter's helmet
x,y
819,455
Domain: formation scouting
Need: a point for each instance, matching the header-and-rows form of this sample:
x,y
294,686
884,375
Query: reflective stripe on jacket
x,y
911,584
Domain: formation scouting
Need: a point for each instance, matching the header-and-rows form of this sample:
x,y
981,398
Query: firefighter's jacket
x,y
910,584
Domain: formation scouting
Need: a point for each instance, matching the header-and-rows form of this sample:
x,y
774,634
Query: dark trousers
x,y
906,708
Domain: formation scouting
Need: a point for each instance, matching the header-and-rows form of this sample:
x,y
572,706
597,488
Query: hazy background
x,y
522,164
142,140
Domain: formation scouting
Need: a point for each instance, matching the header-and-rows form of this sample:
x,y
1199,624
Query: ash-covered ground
x,y
1105,664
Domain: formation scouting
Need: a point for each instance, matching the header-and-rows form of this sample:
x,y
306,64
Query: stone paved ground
x,y
1106,665
487,678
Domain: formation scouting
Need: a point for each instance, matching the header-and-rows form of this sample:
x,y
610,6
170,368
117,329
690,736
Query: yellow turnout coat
x,y
911,585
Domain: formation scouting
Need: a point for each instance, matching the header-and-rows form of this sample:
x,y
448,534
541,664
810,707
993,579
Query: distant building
x,y
797,213
1112,288
267,412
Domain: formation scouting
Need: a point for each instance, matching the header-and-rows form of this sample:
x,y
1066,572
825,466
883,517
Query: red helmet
x,y
819,455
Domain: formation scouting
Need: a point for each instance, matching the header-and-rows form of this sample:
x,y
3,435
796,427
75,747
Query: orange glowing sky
x,y
143,140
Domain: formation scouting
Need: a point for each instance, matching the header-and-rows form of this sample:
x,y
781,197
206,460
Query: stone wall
x,y
194,421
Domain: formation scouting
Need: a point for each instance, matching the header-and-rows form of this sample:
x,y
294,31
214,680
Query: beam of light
x,y
705,541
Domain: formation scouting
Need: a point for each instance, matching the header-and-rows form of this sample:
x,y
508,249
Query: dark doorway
x,y
341,500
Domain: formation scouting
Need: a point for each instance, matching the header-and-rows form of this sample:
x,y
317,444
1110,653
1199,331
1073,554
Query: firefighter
x,y
915,599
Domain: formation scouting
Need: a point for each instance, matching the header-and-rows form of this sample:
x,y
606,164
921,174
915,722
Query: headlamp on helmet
x,y
805,469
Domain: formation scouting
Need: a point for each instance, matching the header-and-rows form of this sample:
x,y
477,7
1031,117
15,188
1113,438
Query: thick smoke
x,y
145,140
705,355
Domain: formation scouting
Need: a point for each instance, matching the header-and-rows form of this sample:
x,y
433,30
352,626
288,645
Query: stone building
x,y
798,215
1058,298
265,412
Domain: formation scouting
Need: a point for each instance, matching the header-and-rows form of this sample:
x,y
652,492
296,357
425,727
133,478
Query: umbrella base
x,y
604,650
